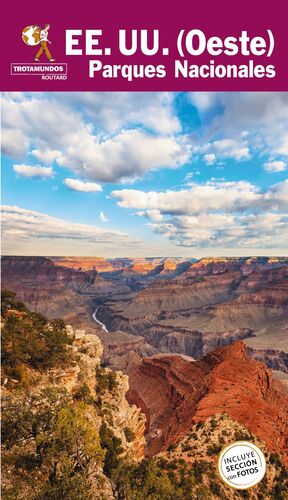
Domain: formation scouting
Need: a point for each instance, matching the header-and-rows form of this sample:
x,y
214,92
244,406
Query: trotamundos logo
x,y
34,35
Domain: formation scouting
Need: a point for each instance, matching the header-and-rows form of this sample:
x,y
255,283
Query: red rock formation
x,y
98,264
143,266
218,265
50,289
41,269
169,266
174,392
167,389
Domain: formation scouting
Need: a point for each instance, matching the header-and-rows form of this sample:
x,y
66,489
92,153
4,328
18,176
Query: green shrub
x,y
193,435
171,447
113,448
146,481
8,302
213,450
199,425
29,339
242,436
215,488
105,381
29,418
186,447
84,394
275,460
68,487
129,434
58,445
75,437
213,424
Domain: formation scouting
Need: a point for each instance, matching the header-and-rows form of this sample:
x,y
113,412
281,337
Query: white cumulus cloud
x,y
125,156
216,214
85,187
72,134
213,195
113,111
33,171
275,166
267,230
46,155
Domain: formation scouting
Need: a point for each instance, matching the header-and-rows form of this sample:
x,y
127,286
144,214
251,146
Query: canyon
x,y
211,304
162,305
181,394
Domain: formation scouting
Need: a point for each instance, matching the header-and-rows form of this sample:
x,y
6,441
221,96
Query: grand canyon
x,y
150,306
199,348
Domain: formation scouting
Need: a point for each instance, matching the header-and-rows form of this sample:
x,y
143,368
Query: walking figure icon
x,y
34,35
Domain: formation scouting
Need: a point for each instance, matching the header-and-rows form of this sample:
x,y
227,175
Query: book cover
x,y
144,251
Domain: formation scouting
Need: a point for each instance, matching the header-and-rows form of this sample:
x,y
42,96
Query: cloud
x,y
84,187
153,215
14,142
19,223
226,230
75,141
275,166
113,111
210,158
128,155
46,156
204,101
103,217
276,196
230,148
119,137
214,214
262,116
34,171
213,195
222,149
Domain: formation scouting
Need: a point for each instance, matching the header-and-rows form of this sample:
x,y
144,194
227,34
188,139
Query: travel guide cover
x,y
144,290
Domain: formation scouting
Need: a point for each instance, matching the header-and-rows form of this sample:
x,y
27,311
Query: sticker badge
x,y
241,465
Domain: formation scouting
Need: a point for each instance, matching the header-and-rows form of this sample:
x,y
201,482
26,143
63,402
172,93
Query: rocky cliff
x,y
88,350
53,290
174,392
66,422
98,264
246,265
119,415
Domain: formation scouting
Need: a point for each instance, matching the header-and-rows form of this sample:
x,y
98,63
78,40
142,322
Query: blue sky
x,y
144,174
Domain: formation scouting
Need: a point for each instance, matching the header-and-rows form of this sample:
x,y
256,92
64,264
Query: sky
x,y
144,174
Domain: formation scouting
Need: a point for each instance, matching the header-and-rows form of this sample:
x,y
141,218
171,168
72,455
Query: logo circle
x,y
31,35
241,465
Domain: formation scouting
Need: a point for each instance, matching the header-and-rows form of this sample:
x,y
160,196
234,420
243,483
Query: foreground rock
x,y
174,393
96,392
